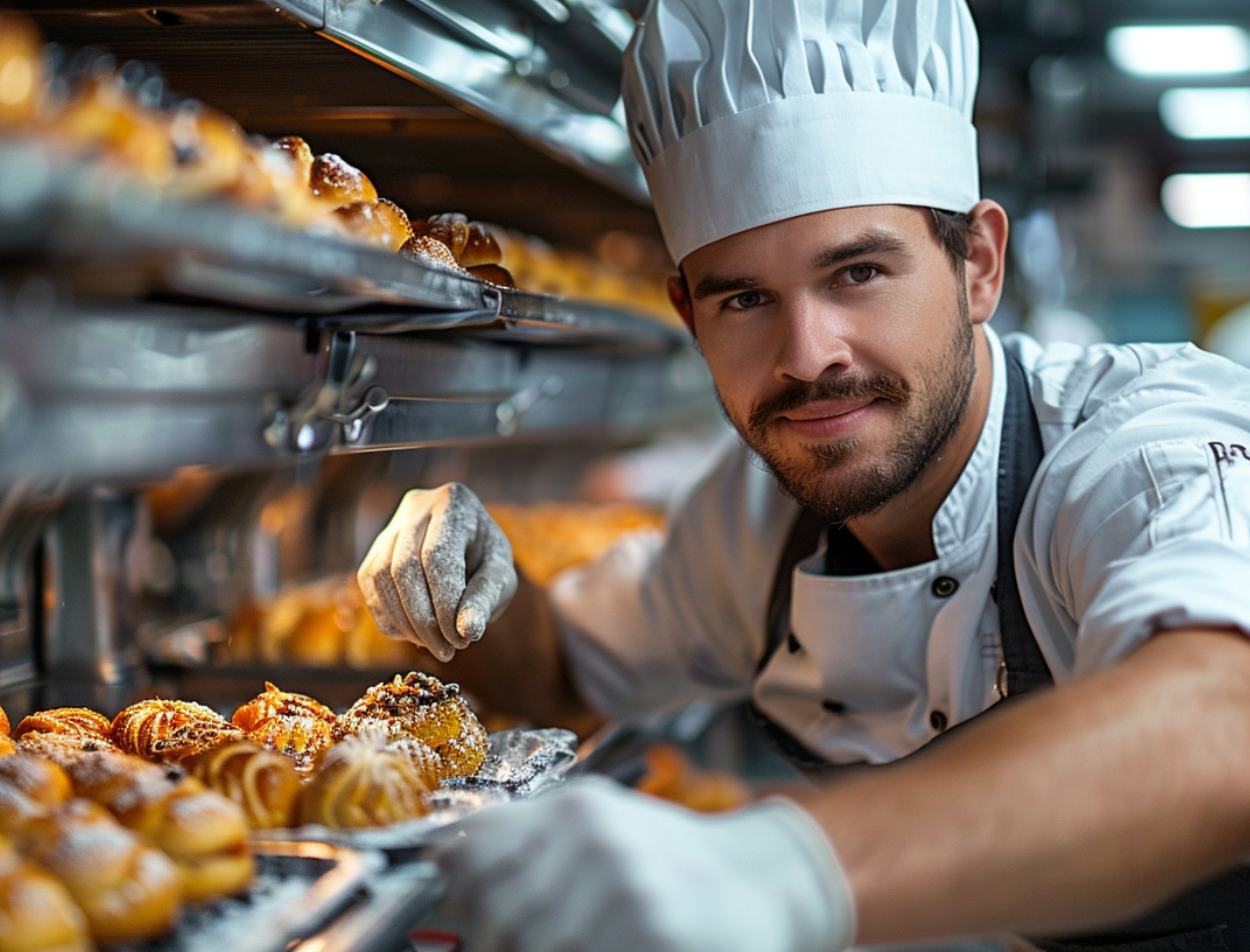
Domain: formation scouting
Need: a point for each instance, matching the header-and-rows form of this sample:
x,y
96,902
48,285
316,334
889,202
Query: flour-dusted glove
x,y
439,571
597,868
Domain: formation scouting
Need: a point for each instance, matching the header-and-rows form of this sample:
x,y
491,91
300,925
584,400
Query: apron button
x,y
937,720
834,707
944,586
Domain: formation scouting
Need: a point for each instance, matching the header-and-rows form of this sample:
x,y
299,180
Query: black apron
x,y
1211,918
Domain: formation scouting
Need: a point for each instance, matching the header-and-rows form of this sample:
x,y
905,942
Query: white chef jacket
x,y
1137,519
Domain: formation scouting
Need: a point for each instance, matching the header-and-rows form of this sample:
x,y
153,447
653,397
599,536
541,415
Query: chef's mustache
x,y
830,387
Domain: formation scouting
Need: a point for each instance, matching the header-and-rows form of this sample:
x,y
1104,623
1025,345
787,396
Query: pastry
x,y
128,890
420,710
4,722
170,730
202,831
264,783
73,721
381,223
300,156
37,778
363,782
492,274
21,70
62,748
292,724
209,148
672,776
37,913
336,182
430,251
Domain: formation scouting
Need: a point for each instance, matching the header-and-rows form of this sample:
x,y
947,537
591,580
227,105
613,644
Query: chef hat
x,y
746,112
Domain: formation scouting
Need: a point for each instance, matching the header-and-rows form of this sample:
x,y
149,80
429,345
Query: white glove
x,y
439,571
598,868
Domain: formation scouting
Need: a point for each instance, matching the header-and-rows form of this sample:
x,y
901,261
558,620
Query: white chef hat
x,y
747,112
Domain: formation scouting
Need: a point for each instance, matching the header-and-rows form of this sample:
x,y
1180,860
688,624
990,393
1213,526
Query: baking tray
x,y
299,889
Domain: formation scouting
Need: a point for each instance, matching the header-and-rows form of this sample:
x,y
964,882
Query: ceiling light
x,y
1179,50
1216,200
1207,113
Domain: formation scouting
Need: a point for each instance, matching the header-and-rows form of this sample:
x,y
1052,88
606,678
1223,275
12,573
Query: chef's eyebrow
x,y
869,243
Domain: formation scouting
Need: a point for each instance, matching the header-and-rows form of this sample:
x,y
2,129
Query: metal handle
x,y
508,414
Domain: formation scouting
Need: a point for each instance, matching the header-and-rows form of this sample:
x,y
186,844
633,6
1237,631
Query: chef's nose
x,y
813,339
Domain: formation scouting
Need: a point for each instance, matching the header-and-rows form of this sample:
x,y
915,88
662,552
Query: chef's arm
x,y
1075,808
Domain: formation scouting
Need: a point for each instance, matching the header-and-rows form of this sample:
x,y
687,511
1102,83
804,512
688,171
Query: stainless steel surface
x,y
396,900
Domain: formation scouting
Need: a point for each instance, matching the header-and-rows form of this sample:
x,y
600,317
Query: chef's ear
x,y
986,264
679,294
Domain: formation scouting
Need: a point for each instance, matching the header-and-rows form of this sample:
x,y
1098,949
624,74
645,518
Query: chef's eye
x,y
744,301
860,274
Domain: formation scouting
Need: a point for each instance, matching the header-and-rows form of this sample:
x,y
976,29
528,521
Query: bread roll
x,y
37,913
128,890
430,252
168,731
292,724
336,182
493,274
363,782
36,777
202,831
300,156
74,721
419,709
209,147
382,223
264,783
62,748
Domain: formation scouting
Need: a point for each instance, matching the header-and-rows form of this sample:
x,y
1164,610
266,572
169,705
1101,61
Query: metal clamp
x,y
302,427
374,401
508,414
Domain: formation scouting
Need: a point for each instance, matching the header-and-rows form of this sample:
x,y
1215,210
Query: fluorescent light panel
x,y
1181,50
1207,113
1216,200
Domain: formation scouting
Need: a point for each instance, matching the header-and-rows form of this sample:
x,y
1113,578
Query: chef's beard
x,y
807,475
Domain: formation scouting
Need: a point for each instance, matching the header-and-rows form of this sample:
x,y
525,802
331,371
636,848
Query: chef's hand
x,y
597,868
439,571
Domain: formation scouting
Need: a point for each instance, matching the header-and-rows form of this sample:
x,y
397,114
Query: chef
x,y
994,598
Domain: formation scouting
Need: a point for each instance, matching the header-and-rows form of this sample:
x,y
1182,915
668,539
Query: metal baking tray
x,y
300,888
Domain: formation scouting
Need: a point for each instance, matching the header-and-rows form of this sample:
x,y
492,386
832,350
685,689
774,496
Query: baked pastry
x,y
170,730
102,117
381,223
202,831
264,783
493,274
430,251
128,890
30,786
364,782
470,242
672,776
300,156
336,182
292,724
420,710
4,722
74,721
62,748
21,70
209,148
37,913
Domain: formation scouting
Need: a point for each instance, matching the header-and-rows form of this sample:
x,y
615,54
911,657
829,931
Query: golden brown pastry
x,y
364,782
7,745
62,748
471,243
381,223
493,274
74,721
37,913
300,156
264,783
430,251
209,149
128,890
102,117
318,635
170,730
292,724
37,778
672,776
336,182
21,70
203,832
4,722
419,709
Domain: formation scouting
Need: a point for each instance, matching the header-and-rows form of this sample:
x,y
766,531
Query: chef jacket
x,y
1137,519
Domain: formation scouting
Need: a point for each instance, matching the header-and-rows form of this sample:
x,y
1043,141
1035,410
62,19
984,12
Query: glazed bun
x,y
7,745
363,782
37,912
265,784
493,274
62,748
170,730
335,182
419,710
300,156
37,778
129,890
430,252
382,223
292,724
